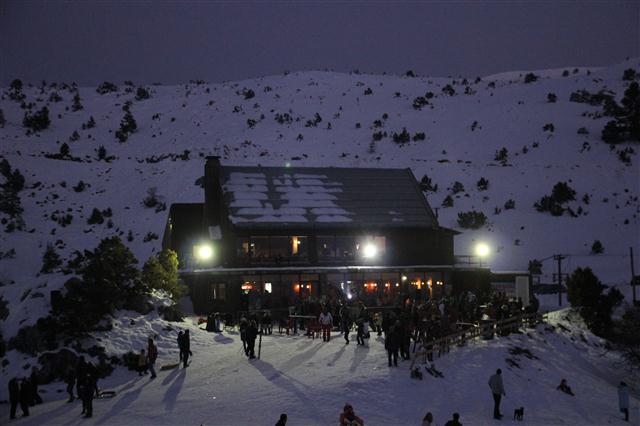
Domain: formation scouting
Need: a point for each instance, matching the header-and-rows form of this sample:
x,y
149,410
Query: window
x,y
279,247
218,291
260,248
345,247
242,248
326,246
299,248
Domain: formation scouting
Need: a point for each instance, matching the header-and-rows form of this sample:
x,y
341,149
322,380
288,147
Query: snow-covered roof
x,y
324,197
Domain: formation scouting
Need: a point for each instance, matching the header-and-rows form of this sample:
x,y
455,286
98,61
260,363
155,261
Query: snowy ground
x,y
307,379
311,380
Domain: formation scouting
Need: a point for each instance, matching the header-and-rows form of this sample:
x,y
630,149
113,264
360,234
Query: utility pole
x,y
558,258
633,276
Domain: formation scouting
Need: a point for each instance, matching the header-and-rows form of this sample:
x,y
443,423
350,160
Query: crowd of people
x,y
24,392
399,326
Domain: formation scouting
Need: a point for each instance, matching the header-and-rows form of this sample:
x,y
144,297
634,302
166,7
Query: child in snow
x,y
349,418
564,387
142,363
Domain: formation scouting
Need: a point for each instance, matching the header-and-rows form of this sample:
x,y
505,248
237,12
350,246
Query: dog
x,y
518,414
416,373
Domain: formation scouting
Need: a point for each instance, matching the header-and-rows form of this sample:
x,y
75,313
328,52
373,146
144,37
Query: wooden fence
x,y
487,329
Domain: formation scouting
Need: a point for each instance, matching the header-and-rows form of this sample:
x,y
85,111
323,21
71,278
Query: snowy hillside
x,y
311,381
322,119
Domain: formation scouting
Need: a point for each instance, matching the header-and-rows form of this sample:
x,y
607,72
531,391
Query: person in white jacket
x,y
326,322
497,389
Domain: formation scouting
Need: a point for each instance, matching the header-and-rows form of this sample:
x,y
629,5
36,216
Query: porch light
x,y
482,250
204,252
369,251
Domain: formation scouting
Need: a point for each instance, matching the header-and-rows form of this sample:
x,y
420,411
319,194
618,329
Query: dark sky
x,y
169,41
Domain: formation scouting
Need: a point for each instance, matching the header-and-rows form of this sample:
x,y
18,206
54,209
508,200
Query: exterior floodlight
x,y
349,296
404,278
482,250
369,251
204,252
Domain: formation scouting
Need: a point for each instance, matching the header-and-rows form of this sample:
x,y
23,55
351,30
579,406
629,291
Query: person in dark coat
x,y
497,389
392,344
88,390
360,331
252,333
152,355
623,400
70,380
244,324
186,349
346,322
283,420
35,397
180,344
25,396
81,369
14,397
455,421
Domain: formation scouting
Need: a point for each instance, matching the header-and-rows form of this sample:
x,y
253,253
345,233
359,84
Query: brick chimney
x,y
213,203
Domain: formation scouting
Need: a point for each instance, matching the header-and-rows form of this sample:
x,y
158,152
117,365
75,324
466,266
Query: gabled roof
x,y
324,197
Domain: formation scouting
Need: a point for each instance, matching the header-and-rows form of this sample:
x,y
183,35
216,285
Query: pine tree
x,y
37,121
50,260
76,106
161,272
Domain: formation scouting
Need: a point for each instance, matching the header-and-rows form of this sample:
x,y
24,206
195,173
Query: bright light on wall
x,y
204,252
369,251
482,250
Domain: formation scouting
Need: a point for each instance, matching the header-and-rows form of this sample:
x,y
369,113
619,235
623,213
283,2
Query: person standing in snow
x,y
360,331
392,344
326,322
623,400
349,418
152,355
81,369
180,339
88,390
186,348
25,397
244,324
14,397
346,322
252,333
70,380
497,389
455,421
35,396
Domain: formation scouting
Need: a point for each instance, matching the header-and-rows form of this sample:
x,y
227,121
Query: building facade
x,y
266,237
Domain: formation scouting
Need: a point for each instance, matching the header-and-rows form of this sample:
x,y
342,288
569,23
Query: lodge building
x,y
268,236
